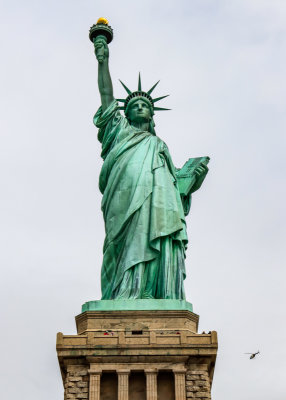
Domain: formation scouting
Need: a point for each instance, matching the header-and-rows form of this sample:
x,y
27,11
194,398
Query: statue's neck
x,y
143,126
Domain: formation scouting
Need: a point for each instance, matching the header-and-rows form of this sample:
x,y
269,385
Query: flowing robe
x,y
146,238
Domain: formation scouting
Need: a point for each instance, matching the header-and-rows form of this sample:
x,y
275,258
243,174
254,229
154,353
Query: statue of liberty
x,y
145,198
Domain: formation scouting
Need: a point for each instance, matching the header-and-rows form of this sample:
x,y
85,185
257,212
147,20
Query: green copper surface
x,y
145,198
150,304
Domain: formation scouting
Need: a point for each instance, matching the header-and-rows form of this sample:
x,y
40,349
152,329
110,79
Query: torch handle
x,y
100,51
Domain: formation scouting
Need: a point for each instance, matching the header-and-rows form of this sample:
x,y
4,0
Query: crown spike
x,y
160,98
125,87
139,83
120,108
161,109
121,100
152,88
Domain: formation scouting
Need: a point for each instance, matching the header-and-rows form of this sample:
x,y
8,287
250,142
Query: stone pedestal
x,y
136,355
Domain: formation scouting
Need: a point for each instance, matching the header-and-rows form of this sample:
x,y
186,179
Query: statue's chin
x,y
140,120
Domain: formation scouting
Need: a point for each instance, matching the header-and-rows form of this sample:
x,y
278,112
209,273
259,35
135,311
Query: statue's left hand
x,y
200,173
201,170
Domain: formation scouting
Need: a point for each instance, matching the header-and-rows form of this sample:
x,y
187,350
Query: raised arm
x,y
104,80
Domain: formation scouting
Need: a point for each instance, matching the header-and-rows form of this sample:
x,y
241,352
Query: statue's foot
x,y
147,295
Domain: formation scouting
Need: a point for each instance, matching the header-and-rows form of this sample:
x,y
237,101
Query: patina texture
x,y
143,207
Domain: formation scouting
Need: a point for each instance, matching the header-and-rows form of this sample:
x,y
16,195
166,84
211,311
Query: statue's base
x,y
138,304
144,354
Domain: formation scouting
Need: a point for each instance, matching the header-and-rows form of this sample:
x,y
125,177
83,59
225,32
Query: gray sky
x,y
223,63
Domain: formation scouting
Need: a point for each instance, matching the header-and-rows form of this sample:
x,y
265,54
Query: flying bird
x,y
253,354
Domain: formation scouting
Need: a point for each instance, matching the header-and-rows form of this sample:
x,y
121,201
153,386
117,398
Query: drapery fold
x,y
144,248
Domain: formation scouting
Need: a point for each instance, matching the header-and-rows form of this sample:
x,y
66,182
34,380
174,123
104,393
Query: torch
x,y
103,30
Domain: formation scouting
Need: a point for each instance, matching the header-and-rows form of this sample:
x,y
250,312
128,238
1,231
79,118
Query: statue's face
x,y
139,111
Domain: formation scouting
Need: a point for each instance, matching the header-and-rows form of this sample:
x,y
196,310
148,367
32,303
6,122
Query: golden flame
x,y
102,21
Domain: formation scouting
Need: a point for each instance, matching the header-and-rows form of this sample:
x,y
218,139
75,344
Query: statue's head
x,y
139,109
139,105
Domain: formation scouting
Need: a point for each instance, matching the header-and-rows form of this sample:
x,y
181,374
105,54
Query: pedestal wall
x,y
117,354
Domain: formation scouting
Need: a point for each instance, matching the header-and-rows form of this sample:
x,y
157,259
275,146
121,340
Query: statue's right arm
x,y
104,80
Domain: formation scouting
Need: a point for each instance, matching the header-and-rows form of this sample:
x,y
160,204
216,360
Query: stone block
x,y
74,390
204,388
195,371
82,384
202,395
82,396
201,383
74,369
82,373
192,377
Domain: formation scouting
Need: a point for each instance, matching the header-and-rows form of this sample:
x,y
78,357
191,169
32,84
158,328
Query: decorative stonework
x,y
146,343
180,384
94,385
198,382
123,383
76,383
151,384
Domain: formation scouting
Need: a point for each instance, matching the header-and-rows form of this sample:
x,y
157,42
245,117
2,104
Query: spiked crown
x,y
140,93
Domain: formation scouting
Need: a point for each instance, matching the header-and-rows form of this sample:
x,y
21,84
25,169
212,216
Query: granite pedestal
x,y
128,354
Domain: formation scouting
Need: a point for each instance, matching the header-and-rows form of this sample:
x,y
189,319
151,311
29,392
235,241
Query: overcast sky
x,y
223,64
